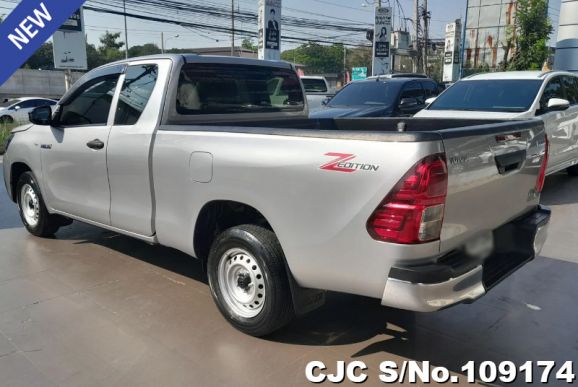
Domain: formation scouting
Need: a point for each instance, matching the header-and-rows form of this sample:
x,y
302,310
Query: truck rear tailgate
x,y
492,178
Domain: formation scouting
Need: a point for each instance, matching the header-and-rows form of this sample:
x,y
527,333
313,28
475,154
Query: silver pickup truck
x,y
216,157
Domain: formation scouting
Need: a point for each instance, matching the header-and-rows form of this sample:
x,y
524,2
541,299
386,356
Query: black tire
x,y
47,224
6,120
262,244
573,170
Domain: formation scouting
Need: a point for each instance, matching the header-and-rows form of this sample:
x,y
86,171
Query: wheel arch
x,y
219,215
16,170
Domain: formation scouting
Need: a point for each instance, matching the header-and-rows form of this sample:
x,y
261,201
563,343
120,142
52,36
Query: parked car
x,y
551,96
317,91
380,97
16,110
174,150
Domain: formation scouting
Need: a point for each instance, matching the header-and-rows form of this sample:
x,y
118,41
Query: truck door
x,y
74,157
560,125
137,115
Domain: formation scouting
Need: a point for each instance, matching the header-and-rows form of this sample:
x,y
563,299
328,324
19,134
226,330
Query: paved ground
x,y
92,308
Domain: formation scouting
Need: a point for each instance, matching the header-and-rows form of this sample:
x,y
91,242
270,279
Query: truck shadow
x,y
160,256
518,321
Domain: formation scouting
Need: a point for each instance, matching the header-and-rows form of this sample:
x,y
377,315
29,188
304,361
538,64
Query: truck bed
x,y
320,215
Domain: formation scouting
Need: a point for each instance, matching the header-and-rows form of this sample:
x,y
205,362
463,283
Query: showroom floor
x,y
92,308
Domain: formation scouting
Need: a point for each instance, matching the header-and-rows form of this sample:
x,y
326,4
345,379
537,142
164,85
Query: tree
x,y
249,45
42,59
533,28
316,58
110,48
145,49
109,40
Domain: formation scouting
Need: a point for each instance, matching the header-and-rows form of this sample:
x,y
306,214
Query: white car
x,y
551,96
16,110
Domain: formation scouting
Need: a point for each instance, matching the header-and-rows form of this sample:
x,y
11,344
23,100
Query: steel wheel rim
x,y
241,282
29,205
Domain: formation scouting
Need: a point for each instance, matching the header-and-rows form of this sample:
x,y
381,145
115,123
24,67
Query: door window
x,y
92,102
553,90
431,89
571,88
136,91
29,104
413,90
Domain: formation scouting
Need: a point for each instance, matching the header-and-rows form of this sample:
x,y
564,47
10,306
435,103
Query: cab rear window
x,y
226,89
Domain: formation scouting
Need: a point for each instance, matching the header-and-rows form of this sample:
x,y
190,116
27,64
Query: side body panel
x,y
318,215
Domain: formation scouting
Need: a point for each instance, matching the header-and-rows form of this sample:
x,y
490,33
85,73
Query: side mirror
x,y
41,115
558,104
408,103
429,101
17,107
326,101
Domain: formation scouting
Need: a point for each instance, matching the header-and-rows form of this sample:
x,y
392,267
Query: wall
x,y
36,83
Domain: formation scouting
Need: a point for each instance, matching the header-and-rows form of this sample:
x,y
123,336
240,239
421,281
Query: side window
x,y
91,103
552,90
430,89
136,91
413,90
571,89
30,104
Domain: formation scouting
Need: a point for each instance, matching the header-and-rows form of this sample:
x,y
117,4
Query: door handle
x,y
95,144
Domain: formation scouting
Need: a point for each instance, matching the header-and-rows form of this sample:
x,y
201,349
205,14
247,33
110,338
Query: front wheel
x,y
248,280
33,211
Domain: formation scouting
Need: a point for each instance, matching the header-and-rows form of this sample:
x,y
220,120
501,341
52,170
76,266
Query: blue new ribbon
x,y
29,25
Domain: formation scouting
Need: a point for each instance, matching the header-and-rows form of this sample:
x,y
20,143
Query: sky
x,y
141,32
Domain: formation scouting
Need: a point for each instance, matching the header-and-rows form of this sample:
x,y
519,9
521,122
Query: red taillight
x,y
413,211
543,167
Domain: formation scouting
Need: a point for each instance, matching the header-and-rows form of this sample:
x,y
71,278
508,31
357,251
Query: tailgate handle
x,y
510,161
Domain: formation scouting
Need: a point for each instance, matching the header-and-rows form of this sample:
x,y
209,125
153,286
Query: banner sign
x,y
69,44
359,73
381,41
452,51
270,29
29,25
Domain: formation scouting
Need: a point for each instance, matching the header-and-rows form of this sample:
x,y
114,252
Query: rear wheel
x,y
248,280
33,212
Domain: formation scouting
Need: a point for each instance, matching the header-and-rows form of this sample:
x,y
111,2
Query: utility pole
x,y
425,35
162,42
416,35
125,30
232,27
344,65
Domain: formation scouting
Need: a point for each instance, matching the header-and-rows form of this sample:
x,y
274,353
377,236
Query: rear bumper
x,y
457,278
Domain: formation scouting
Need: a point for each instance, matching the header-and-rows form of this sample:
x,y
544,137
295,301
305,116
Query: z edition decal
x,y
344,163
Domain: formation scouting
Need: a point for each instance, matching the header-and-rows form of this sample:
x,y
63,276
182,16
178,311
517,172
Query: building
x,y
490,34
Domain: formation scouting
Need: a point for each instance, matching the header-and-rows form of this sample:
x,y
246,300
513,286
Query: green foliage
x,y
110,40
248,44
533,28
5,130
42,59
318,59
145,49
